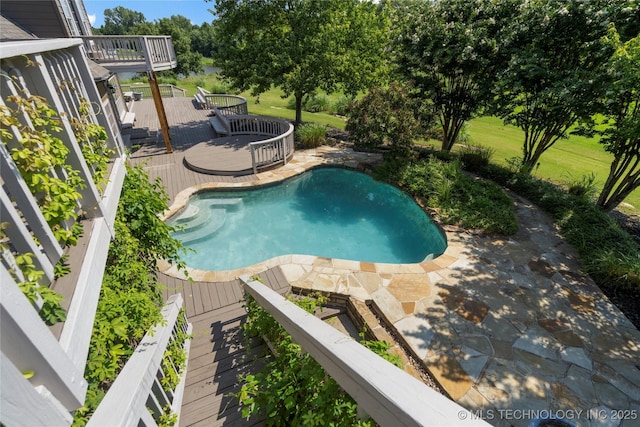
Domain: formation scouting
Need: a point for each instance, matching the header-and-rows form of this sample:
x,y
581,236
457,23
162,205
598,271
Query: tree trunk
x,y
535,145
450,131
298,109
623,179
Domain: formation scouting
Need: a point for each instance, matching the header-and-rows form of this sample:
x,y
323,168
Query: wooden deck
x,y
189,126
218,352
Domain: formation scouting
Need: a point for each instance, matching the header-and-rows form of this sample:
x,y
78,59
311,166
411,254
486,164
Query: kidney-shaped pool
x,y
327,212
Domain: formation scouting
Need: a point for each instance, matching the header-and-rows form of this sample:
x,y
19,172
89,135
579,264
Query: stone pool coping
x,y
507,325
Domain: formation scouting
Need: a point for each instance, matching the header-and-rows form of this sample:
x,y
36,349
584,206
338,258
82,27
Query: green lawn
x,y
567,161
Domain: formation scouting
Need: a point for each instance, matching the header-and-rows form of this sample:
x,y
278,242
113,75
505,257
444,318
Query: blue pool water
x,y
329,212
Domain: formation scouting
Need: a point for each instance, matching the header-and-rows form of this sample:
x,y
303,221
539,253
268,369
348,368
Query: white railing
x,y
166,90
57,71
269,152
152,52
137,396
386,393
224,103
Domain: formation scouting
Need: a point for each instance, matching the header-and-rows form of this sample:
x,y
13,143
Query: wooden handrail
x,y
386,393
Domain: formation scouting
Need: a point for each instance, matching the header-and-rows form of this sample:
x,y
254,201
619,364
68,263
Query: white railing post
x,y
388,394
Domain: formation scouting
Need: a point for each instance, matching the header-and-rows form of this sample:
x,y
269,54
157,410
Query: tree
x,y
301,45
448,50
203,40
621,135
121,20
552,79
180,29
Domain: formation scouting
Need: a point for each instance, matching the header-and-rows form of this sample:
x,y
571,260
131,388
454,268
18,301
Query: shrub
x,y
384,118
220,87
457,198
316,103
583,187
341,105
475,158
310,135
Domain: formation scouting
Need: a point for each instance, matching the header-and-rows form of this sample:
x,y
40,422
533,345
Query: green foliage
x,y
453,196
168,418
384,117
180,29
341,105
121,20
38,155
130,298
310,135
381,348
292,389
621,118
450,50
50,311
474,158
174,360
554,77
28,278
141,203
583,186
301,46
93,143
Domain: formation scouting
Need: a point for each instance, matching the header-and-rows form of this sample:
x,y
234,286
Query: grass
x,y
566,162
270,103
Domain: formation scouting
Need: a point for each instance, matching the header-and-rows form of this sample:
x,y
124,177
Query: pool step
x,y
218,201
205,226
186,215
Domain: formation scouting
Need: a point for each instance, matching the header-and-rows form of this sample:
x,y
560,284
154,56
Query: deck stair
x,y
218,353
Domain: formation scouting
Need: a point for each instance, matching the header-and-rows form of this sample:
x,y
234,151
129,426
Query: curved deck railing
x,y
234,118
269,152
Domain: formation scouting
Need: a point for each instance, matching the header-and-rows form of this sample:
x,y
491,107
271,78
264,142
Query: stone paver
x,y
503,324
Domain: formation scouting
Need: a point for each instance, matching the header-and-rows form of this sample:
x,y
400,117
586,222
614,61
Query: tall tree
x,y
203,40
121,20
301,45
621,133
449,51
180,29
551,81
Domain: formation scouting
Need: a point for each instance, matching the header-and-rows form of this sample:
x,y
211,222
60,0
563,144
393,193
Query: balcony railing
x,y
387,394
57,71
131,53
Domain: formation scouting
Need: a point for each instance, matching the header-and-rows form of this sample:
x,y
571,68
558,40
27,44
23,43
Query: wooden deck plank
x,y
207,302
213,294
196,289
214,366
188,299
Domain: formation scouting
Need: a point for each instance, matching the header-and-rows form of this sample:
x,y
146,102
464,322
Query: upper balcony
x,y
131,53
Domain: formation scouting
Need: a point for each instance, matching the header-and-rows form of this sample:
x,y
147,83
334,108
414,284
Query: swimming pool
x,y
327,212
